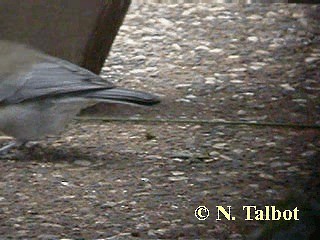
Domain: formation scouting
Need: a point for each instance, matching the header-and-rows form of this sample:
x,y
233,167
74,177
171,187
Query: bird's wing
x,y
49,78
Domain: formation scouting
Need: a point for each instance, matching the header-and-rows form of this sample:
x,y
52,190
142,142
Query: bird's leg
x,y
7,147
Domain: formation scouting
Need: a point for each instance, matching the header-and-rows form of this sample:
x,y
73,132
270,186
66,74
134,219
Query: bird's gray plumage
x,y
39,94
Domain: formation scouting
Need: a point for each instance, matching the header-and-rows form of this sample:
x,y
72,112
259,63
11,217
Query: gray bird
x,y
40,94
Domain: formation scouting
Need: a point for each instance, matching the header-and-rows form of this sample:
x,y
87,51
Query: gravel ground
x,y
132,181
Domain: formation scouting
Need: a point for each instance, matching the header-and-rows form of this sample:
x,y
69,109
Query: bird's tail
x,y
124,96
